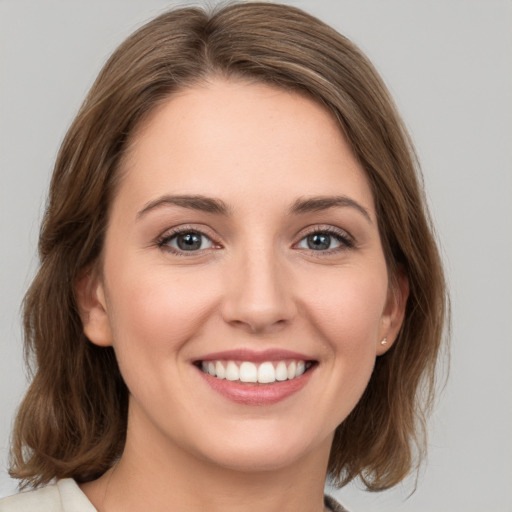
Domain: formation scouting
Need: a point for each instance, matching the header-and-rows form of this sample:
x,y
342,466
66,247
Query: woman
x,y
239,290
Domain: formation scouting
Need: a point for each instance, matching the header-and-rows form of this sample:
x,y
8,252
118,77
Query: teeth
x,y
266,373
246,371
292,367
232,372
281,371
220,372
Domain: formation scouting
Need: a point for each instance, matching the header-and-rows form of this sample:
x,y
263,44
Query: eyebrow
x,y
217,206
315,204
192,202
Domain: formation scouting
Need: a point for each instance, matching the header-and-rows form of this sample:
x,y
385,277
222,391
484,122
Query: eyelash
x,y
341,236
163,241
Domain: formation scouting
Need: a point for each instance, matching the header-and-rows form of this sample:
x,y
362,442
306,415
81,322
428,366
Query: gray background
x,y
448,64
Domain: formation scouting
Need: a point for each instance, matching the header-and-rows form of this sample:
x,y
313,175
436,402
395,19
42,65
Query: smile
x,y
256,378
266,372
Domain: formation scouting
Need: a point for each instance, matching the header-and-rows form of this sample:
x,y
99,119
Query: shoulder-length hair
x,y
72,421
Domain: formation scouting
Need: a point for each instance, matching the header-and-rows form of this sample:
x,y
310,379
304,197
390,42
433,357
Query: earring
x,y
384,341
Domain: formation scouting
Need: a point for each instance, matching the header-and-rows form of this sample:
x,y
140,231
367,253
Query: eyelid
x,y
346,239
170,233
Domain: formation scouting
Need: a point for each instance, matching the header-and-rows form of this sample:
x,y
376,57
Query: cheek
x,y
154,314
350,325
350,313
347,317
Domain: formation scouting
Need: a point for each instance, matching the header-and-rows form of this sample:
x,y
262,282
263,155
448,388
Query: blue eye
x,y
187,241
324,241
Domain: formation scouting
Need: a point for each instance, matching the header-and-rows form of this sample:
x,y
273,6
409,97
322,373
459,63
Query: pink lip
x,y
254,356
257,394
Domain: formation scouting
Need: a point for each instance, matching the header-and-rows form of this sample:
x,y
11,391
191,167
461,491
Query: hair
x,y
73,419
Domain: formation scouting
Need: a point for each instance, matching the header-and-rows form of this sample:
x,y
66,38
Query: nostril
x,y
258,318
260,325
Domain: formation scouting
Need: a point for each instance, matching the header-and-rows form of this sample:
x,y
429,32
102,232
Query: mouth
x,y
251,372
256,378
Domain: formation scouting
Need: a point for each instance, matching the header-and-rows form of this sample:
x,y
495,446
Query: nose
x,y
259,293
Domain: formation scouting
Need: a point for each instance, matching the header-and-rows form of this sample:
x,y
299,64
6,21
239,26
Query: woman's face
x,y
243,284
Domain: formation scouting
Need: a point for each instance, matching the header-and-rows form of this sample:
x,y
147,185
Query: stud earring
x,y
384,341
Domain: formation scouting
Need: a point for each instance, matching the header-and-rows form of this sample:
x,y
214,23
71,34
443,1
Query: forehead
x,y
233,139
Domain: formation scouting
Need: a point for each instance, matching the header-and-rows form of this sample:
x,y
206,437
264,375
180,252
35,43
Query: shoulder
x,y
40,500
64,496
331,505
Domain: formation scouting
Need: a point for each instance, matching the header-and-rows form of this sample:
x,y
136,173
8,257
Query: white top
x,y
64,496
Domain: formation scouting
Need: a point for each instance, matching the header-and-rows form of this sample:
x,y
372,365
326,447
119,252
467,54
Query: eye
x,y
186,241
325,240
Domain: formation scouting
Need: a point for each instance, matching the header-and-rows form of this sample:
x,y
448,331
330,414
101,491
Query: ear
x,y
394,311
92,307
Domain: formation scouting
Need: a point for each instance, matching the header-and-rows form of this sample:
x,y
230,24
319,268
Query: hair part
x,y
72,421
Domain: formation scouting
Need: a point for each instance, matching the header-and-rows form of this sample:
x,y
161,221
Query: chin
x,y
256,461
264,450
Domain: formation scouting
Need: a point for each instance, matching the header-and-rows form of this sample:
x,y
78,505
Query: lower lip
x,y
257,394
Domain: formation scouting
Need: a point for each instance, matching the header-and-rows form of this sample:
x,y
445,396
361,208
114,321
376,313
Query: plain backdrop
x,y
448,64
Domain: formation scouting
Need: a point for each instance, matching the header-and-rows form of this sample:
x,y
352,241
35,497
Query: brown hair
x,y
72,422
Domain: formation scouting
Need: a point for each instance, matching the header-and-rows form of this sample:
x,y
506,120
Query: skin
x,y
255,284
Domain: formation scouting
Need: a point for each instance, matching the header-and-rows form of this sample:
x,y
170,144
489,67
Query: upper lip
x,y
243,354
